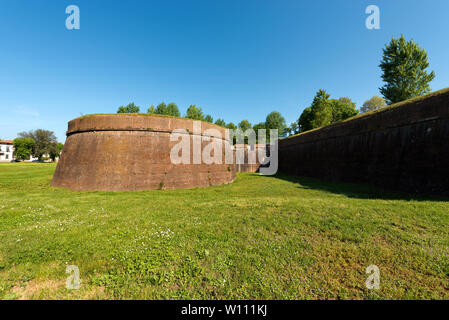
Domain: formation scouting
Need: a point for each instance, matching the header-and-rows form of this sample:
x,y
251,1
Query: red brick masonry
x,y
127,152
403,147
246,166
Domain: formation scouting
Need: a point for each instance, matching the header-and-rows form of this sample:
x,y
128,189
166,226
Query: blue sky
x,y
236,59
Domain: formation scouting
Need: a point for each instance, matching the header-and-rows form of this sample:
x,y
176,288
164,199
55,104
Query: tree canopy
x,y
260,125
305,120
257,127
275,120
373,104
244,125
404,65
130,108
195,113
23,148
169,110
231,126
293,128
55,150
208,118
173,110
348,101
325,111
152,109
43,140
342,109
220,122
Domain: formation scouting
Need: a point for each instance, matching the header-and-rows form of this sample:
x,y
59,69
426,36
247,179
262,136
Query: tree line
x,y
40,143
274,120
403,66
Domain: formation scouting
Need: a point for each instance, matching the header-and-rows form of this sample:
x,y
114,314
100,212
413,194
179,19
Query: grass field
x,y
257,238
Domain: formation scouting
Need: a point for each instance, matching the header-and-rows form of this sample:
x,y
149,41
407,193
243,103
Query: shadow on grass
x,y
354,190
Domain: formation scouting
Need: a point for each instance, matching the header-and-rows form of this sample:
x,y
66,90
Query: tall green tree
x,y
275,120
23,148
305,121
169,110
373,104
256,127
322,114
130,108
260,125
173,110
195,113
348,101
43,140
161,108
55,150
244,125
404,65
220,122
342,109
318,114
208,118
325,111
293,128
231,126
151,109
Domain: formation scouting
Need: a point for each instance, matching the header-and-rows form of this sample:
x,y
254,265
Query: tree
x,y
342,109
325,111
305,120
322,114
23,148
318,114
404,65
275,120
348,101
220,122
161,108
260,125
151,109
231,126
208,118
173,110
130,108
244,125
257,127
42,139
195,113
55,150
373,104
293,128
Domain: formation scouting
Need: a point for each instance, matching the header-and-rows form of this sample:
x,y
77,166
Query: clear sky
x,y
237,59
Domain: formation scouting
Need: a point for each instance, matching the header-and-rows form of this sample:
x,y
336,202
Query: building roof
x,y
5,141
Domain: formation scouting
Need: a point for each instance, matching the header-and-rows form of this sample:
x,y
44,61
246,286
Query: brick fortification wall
x,y
246,166
132,152
403,147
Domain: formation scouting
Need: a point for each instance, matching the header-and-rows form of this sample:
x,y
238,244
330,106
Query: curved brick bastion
x,y
127,152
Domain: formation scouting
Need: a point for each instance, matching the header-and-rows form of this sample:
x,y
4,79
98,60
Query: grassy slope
x,y
260,237
384,109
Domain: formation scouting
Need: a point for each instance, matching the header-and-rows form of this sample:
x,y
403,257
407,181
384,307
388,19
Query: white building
x,y
6,151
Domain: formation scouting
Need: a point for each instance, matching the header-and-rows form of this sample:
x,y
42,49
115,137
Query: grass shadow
x,y
355,190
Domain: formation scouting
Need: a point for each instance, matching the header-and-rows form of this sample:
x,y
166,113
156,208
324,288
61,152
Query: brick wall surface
x,y
132,152
402,148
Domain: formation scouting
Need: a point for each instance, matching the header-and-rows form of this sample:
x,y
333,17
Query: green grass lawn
x,y
257,238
